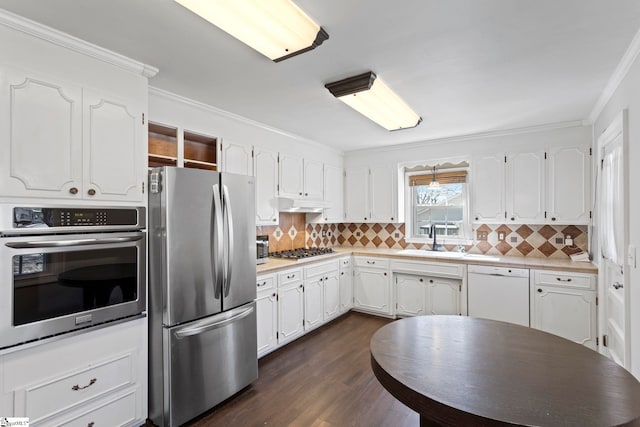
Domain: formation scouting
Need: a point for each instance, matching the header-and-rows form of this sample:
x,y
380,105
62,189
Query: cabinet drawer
x,y
48,398
115,411
265,282
559,278
428,268
345,262
289,276
372,262
320,269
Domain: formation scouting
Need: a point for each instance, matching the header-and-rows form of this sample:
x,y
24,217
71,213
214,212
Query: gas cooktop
x,y
297,254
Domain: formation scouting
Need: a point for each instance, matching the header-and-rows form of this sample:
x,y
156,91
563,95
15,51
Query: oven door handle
x,y
65,243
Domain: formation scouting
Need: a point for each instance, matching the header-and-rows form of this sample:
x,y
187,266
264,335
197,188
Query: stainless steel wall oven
x,y
69,268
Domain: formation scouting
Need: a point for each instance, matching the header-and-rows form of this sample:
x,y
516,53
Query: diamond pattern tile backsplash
x,y
540,241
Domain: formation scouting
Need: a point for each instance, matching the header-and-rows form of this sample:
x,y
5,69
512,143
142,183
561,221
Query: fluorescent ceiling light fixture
x,y
278,29
371,97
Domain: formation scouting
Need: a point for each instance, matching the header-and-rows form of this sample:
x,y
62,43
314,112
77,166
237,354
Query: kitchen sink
x,y
434,254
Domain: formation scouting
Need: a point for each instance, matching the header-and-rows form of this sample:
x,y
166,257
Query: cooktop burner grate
x,y
296,254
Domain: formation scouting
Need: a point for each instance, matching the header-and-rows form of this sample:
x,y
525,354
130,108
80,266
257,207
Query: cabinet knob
x,y
273,295
477,218
326,278
421,279
513,218
385,274
342,274
365,219
430,280
91,424
300,194
553,218
617,285
91,192
539,290
326,219
300,286
306,194
73,190
391,218
275,219
321,279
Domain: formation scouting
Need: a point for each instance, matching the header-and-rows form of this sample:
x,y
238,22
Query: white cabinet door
x,y
569,178
331,295
265,165
356,198
313,303
372,290
290,312
41,140
236,158
443,296
569,313
384,204
113,141
525,187
487,188
333,193
267,318
313,180
410,295
346,289
291,176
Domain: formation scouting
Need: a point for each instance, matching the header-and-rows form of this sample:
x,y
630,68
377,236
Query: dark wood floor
x,y
323,379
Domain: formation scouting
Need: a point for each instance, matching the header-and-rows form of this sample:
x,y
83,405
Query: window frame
x,y
465,239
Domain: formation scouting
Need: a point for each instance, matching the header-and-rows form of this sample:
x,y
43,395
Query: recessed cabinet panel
x,y
487,188
267,318
410,295
236,158
331,296
290,312
383,195
357,195
113,153
41,120
266,173
333,193
346,288
443,296
569,185
313,179
313,303
372,290
525,187
291,176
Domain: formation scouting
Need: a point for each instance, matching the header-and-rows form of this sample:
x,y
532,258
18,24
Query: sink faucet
x,y
433,234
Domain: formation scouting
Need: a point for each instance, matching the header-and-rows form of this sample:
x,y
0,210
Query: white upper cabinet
x,y
236,158
383,195
357,195
313,180
525,187
487,188
569,175
333,193
266,172
65,141
291,176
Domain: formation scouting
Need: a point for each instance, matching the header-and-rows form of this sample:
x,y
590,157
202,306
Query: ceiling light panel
x,y
278,29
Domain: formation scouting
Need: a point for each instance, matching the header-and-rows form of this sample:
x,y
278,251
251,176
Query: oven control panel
x,y
73,217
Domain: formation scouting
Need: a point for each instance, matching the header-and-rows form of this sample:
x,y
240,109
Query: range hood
x,y
286,204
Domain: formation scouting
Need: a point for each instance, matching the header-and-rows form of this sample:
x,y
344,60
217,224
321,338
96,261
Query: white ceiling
x,y
466,66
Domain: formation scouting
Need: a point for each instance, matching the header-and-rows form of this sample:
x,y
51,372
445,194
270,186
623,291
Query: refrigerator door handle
x,y
230,237
208,325
217,248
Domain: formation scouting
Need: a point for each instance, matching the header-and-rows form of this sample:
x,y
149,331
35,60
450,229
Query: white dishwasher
x,y
498,293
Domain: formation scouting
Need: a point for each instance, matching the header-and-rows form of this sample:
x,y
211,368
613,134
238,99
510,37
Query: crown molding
x,y
27,26
214,110
616,78
472,136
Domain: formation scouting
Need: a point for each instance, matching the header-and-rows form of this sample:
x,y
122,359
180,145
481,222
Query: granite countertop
x,y
275,264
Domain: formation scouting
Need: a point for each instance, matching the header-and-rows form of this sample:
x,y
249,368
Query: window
x,y
440,208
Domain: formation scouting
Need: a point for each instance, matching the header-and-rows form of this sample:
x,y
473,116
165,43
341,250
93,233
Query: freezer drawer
x,y
208,361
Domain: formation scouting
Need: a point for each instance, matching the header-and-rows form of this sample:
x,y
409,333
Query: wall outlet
x,y
481,235
559,241
324,233
358,234
501,236
514,239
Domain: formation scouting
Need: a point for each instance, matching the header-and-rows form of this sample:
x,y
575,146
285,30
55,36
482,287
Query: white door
x,y
267,318
113,143
290,312
569,313
313,304
383,195
313,179
613,240
569,178
410,294
331,295
333,193
487,188
346,289
443,296
372,290
525,188
291,176
41,140
356,198
265,165
236,158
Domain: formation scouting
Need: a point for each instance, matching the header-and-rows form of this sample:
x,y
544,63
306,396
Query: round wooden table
x,y
456,370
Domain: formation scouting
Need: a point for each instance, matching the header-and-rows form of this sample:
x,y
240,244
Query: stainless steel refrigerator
x,y
202,275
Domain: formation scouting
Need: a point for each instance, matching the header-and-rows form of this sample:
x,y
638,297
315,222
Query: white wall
x,y
627,95
172,110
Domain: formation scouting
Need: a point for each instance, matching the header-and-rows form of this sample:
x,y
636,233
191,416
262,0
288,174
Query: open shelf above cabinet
x,y
171,146
199,151
163,145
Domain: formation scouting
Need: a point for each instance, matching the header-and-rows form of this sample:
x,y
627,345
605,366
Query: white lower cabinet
x,y
564,304
420,295
96,378
267,315
346,285
290,306
313,302
372,285
410,295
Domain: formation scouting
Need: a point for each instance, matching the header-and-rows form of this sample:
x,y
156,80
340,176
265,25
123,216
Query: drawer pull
x,y
77,387
290,276
371,262
91,424
617,285
262,284
563,280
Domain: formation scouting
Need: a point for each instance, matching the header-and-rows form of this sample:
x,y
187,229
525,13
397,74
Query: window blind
x,y
457,177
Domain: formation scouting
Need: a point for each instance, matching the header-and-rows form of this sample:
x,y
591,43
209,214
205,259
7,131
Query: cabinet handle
x,y
73,190
563,280
513,218
91,192
262,284
290,276
371,262
77,387
539,290
617,285
553,218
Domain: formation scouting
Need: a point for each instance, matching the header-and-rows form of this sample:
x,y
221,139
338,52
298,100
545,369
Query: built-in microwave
x,y
58,283
262,249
